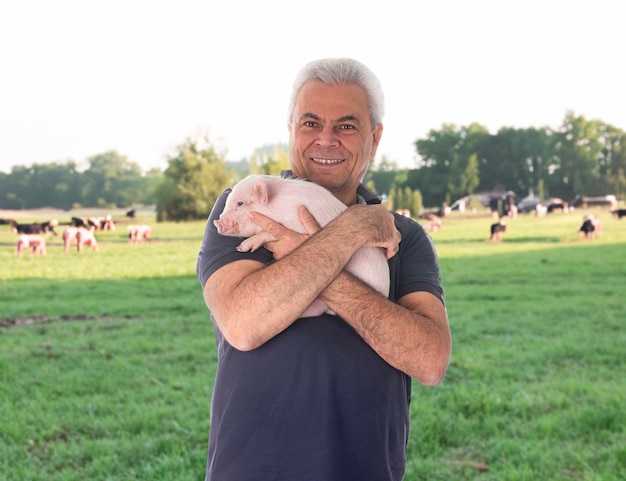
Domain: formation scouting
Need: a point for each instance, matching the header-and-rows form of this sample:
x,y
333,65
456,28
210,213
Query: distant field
x,y
107,358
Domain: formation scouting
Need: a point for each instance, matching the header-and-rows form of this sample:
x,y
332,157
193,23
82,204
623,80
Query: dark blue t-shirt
x,y
315,402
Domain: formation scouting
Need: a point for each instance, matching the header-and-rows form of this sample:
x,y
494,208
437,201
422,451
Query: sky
x,y
78,78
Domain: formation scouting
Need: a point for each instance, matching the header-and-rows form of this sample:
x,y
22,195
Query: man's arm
x,y
412,336
251,302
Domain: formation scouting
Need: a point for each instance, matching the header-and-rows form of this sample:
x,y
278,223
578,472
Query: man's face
x,y
331,137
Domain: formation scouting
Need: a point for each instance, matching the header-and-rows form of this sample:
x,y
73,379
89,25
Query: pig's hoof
x,y
248,245
243,247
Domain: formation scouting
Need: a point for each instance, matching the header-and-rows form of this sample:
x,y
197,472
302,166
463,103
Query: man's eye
x,y
346,127
310,123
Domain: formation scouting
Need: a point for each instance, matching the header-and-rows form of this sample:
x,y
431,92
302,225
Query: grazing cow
x,y
106,223
428,216
35,241
86,237
540,210
503,205
433,226
591,225
94,222
98,223
35,228
87,223
434,214
619,213
497,230
557,204
138,233
79,222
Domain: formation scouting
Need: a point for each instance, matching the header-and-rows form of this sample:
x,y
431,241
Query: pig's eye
x,y
240,203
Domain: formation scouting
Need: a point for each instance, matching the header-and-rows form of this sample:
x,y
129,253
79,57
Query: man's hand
x,y
372,223
375,225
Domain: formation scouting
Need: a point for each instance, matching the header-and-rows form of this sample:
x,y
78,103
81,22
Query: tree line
x,y
108,180
581,156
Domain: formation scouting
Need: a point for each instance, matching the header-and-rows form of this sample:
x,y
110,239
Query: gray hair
x,y
335,71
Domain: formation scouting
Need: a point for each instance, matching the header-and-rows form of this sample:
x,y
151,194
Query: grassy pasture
x,y
107,358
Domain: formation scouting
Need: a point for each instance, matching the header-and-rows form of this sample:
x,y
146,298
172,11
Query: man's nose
x,y
327,138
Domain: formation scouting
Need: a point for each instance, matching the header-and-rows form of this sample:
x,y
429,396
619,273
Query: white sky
x,y
81,77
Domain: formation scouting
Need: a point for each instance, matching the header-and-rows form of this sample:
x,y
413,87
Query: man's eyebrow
x,y
345,118
349,118
310,115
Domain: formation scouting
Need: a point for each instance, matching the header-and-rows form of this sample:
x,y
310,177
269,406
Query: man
x,y
322,398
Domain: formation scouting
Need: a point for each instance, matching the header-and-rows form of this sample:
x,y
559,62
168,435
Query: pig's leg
x,y
317,308
254,242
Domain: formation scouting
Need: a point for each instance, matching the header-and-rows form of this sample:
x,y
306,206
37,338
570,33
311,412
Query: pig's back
x,y
368,264
288,194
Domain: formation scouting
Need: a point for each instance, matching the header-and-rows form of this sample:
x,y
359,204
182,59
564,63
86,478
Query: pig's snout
x,y
225,226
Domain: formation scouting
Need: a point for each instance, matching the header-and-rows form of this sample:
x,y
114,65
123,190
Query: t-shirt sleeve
x,y
218,250
417,266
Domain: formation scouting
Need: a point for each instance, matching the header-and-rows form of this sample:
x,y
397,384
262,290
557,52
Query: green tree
x,y
443,157
465,169
150,184
193,180
398,198
110,180
18,188
436,152
61,185
469,178
383,176
390,200
407,198
617,184
579,146
516,159
277,163
54,185
270,159
240,168
612,160
8,196
417,205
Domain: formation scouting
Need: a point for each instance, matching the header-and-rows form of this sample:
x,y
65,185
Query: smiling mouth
x,y
318,160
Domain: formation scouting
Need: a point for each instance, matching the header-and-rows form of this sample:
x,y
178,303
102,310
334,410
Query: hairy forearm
x,y
279,293
417,343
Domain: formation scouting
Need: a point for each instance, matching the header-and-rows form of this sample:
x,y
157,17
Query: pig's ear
x,y
260,191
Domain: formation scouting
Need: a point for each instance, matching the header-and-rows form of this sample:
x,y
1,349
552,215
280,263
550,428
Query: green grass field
x,y
107,358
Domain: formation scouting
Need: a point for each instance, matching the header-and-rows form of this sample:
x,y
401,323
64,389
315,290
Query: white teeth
x,y
327,161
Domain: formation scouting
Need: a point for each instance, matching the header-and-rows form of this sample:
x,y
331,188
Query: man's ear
x,y
377,134
260,191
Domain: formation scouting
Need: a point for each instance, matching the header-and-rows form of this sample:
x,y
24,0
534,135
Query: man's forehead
x,y
331,103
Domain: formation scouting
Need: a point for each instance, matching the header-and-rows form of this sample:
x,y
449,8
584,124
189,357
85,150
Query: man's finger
x,y
265,223
393,247
260,219
308,221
